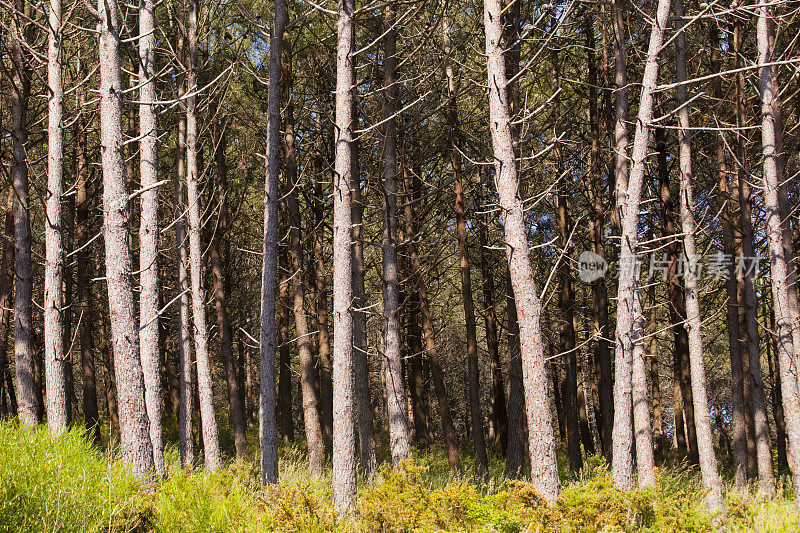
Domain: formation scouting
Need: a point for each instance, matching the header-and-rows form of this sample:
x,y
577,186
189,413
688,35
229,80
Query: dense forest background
x,y
234,224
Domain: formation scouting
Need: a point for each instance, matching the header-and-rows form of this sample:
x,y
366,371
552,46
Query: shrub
x,y
60,483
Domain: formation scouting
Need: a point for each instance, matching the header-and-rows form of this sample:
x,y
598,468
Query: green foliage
x,y
60,483
50,483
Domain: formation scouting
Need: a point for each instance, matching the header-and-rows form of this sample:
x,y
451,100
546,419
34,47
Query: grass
x,y
64,483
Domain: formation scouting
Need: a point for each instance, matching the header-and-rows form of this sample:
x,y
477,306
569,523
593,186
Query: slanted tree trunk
x,y
23,270
148,231
344,461
776,397
269,272
544,469
137,450
55,364
629,307
778,253
515,455
705,438
396,399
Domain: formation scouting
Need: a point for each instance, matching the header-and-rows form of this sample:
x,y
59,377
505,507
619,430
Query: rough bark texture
x,y
55,363
629,308
369,462
137,449
344,461
148,231
23,270
544,470
777,247
396,399
185,438
311,418
269,272
705,437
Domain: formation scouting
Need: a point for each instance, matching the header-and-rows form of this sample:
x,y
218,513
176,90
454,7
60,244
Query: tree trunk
x,y
544,469
323,327
515,455
185,435
369,462
629,323
705,437
283,409
602,353
778,252
396,399
220,286
776,397
6,285
311,418
55,364
566,300
136,447
751,326
23,270
653,370
269,272
431,351
344,463
148,231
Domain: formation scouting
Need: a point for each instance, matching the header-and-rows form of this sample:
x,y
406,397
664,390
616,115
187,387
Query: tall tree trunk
x,y
655,381
750,326
311,416
137,449
396,399
148,231
499,413
23,270
54,361
6,286
705,437
776,397
431,350
778,252
629,308
473,375
185,435
515,454
544,469
566,300
369,462
220,285
344,464
283,409
602,353
269,272
323,326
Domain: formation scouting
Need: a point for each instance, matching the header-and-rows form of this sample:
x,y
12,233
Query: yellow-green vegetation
x,y
63,483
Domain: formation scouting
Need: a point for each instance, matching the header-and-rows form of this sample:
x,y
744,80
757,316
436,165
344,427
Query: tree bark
x,y
778,252
148,231
6,287
396,398
23,270
136,447
705,437
344,464
544,469
629,308
311,417
269,272
369,462
323,326
517,419
55,363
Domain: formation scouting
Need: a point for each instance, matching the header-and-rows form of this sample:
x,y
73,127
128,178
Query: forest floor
x,y
63,483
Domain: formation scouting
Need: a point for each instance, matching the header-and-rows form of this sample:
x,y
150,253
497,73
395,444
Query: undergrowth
x,y
64,483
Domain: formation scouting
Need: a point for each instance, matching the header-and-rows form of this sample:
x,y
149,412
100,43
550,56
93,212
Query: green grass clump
x,y
54,482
